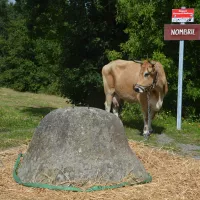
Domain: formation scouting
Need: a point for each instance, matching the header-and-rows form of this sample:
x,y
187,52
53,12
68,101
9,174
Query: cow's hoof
x,y
146,136
151,131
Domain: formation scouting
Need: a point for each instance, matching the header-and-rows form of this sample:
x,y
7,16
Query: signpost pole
x,y
180,84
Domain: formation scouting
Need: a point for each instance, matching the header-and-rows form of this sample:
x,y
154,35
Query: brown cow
x,y
144,82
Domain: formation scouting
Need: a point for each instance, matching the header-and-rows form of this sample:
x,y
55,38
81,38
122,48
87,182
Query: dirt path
x,y
174,177
184,149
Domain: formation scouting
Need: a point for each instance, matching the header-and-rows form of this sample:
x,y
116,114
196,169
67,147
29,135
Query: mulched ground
x,y
174,178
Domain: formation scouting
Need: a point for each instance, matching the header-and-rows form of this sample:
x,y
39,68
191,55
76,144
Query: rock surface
x,y
76,145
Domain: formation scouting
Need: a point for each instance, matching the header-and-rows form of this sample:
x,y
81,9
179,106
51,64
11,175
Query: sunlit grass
x,y
20,113
164,122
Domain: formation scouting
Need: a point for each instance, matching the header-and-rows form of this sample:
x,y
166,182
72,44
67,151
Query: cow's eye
x,y
146,74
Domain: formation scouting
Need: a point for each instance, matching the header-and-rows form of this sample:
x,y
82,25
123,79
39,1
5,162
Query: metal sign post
x,y
181,32
180,84
180,80
180,73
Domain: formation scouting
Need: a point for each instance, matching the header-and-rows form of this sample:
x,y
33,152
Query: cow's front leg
x,y
147,115
147,126
147,123
145,118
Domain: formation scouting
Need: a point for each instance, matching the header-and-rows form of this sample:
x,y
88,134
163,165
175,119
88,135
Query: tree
x,y
91,33
28,63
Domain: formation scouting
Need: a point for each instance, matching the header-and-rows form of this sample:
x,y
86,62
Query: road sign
x,y
183,15
182,32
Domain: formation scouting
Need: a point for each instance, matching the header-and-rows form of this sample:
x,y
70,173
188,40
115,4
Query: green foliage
x,y
131,112
27,64
144,34
4,17
86,48
113,55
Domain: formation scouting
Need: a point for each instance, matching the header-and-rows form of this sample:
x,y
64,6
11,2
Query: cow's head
x,y
147,77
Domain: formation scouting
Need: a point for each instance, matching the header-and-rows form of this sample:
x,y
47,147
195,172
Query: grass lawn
x,y
163,123
20,113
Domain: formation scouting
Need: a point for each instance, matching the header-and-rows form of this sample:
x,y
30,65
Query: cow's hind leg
x,y
116,105
152,115
109,89
150,130
108,102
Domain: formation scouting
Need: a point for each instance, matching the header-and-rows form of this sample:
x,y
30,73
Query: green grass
x,y
163,123
20,114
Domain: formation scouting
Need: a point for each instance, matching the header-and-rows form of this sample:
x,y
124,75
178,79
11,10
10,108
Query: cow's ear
x,y
152,62
138,61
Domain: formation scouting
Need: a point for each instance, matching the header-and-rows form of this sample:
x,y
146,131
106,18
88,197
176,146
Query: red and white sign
x,y
183,15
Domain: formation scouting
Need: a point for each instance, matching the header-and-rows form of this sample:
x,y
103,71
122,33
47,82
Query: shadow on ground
x,y
37,111
161,139
4,130
138,124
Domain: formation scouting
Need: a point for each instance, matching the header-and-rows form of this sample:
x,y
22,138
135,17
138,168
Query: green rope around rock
x,y
68,188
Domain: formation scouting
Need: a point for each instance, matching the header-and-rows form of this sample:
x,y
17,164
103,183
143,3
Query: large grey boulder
x,y
79,145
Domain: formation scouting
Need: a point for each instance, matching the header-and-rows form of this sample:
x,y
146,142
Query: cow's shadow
x,y
138,124
37,111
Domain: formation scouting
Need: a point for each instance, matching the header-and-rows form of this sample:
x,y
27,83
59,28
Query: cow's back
x,y
125,75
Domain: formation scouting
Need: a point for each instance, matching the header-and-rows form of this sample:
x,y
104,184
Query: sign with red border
x,y
183,15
